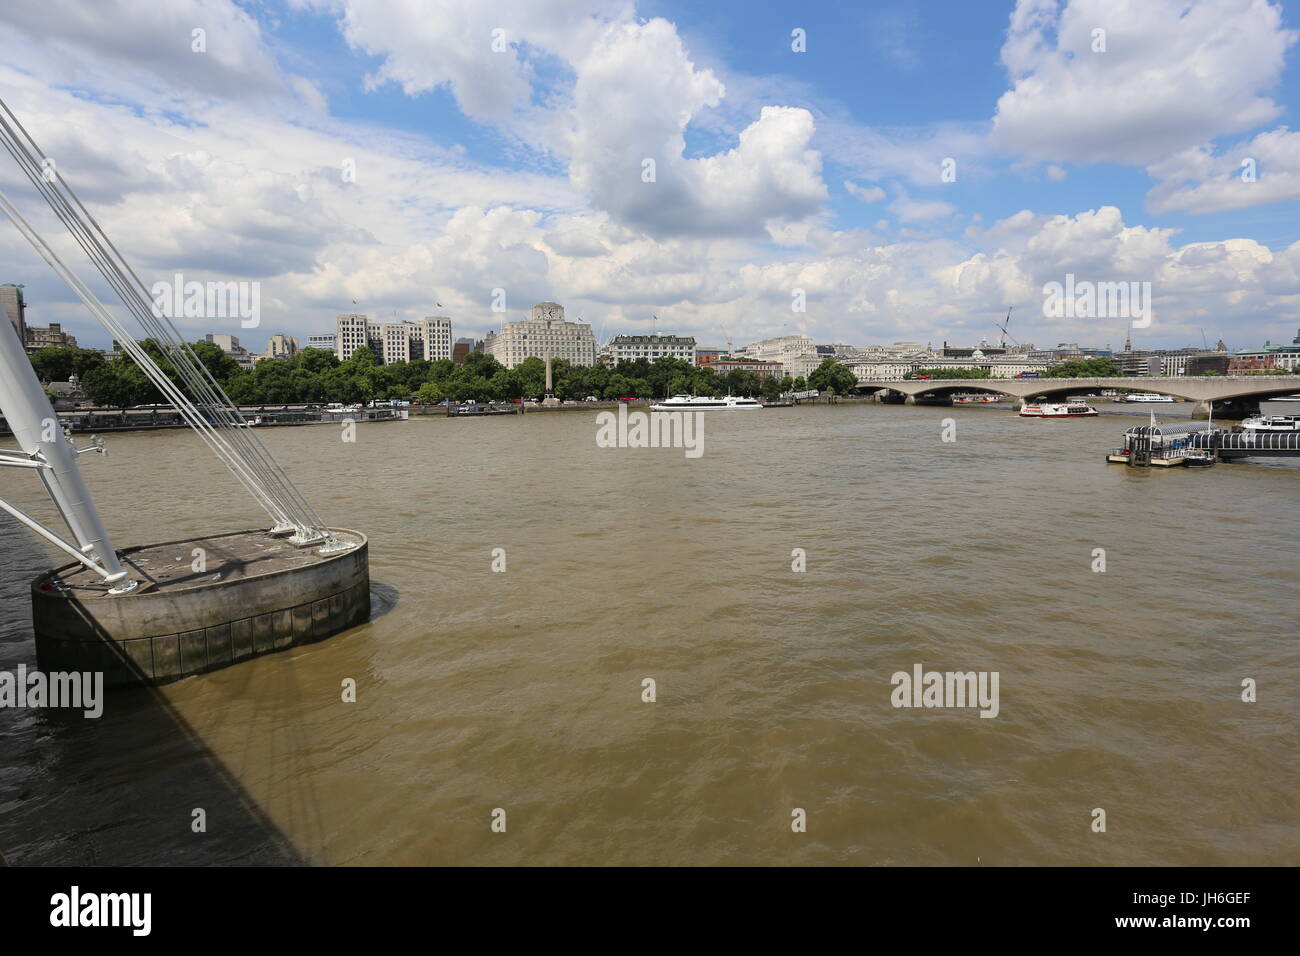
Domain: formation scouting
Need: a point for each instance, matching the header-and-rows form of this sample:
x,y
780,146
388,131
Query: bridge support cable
x,y
206,407
147,365
291,512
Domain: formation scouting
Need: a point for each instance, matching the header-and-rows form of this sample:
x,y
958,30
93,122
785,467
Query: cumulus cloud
x,y
235,60
1173,74
1265,169
487,54
635,95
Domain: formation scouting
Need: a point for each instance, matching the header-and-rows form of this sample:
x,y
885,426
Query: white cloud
x,y
635,95
1174,74
1265,169
865,193
486,53
155,40
906,209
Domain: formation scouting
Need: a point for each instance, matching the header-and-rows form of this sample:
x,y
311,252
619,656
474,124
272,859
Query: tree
x,y
60,363
531,377
363,357
222,367
315,360
833,377
743,382
482,365
430,393
800,384
119,384
1085,368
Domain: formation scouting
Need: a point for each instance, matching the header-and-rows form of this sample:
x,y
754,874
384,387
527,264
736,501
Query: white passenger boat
x,y
1146,398
1272,423
1057,410
696,403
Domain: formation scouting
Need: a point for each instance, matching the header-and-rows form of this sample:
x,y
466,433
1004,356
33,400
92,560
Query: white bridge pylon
x,y
46,449
197,396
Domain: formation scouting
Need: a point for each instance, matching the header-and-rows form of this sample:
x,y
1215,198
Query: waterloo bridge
x,y
1231,396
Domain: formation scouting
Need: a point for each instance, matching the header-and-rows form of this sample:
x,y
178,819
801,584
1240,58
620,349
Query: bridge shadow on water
x,y
120,789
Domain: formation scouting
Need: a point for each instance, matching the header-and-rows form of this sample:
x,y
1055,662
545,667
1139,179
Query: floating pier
x,y
1180,443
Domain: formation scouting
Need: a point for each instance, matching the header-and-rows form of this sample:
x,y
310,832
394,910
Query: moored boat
x,y
1145,398
1057,410
1272,423
697,403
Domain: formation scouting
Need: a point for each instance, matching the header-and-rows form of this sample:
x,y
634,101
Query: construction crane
x,y
1002,343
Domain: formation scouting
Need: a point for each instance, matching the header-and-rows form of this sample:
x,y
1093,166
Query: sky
x,y
905,171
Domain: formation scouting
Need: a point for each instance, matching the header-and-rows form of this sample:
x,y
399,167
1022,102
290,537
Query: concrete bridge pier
x,y
910,400
1231,409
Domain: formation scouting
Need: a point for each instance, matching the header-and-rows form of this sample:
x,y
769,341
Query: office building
x,y
52,337
230,345
544,333
649,347
11,298
764,370
281,346
405,341
797,354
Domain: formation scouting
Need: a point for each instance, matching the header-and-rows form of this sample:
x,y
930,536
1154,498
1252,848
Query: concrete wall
x,y
159,637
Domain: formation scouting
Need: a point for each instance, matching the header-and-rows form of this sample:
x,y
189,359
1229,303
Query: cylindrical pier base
x,y
202,604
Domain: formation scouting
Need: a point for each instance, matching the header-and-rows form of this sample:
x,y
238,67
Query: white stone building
x,y
429,338
281,346
649,347
797,353
230,345
545,332
351,333
894,370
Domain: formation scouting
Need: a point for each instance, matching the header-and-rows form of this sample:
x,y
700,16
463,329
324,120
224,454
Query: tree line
x,y
317,376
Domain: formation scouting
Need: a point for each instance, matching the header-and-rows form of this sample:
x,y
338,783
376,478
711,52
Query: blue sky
x,y
519,168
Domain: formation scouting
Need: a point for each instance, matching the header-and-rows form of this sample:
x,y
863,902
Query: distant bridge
x,y
1240,390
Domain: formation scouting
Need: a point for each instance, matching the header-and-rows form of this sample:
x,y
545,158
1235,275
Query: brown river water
x,y
522,690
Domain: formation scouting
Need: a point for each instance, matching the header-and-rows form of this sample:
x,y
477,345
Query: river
x,y
522,690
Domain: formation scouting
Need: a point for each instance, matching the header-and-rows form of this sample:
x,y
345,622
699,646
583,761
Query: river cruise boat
x,y
695,403
1146,398
1057,410
1272,423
